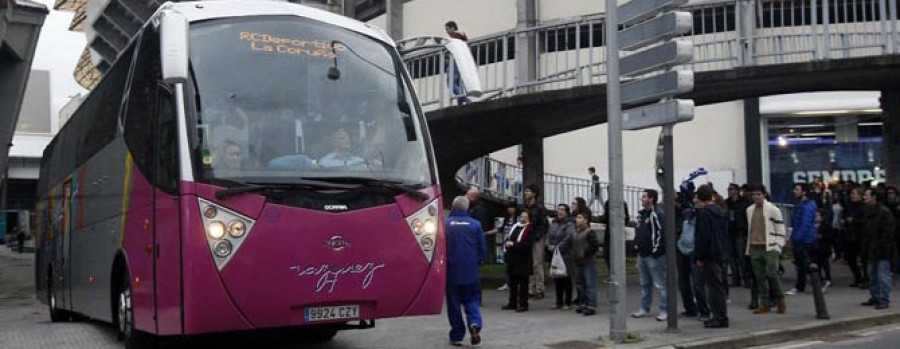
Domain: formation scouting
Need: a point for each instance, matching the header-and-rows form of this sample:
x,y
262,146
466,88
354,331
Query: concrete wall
x,y
714,140
34,116
474,17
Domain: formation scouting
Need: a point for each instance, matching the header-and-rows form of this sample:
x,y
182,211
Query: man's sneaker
x,y
869,303
503,288
456,343
639,314
567,307
825,286
793,292
703,317
881,306
662,316
474,334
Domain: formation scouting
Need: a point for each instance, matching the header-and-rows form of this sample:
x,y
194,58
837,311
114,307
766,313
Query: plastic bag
x,y
558,265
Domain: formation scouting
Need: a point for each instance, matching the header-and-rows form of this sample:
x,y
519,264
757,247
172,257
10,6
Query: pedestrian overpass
x,y
742,49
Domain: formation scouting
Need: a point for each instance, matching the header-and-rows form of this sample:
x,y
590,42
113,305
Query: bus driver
x,y
341,156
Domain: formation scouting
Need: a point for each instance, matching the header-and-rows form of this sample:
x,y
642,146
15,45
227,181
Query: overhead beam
x,y
122,19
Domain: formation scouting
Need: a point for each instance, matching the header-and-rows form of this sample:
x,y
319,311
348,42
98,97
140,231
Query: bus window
x,y
266,94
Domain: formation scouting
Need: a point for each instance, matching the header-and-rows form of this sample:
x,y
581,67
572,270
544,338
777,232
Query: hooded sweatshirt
x,y
712,243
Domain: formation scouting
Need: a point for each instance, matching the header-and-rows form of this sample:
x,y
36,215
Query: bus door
x,y
168,233
63,249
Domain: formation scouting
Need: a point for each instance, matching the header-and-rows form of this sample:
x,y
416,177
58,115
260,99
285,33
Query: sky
x,y
58,51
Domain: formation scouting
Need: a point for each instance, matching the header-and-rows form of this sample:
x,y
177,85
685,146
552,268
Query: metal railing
x,y
726,34
503,181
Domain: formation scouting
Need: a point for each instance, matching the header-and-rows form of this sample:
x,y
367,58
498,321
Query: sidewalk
x,y
542,327
746,328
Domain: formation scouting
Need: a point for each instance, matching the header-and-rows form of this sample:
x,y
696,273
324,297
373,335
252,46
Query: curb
x,y
773,336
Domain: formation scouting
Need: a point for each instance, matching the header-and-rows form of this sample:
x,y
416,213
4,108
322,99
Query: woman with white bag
x,y
562,265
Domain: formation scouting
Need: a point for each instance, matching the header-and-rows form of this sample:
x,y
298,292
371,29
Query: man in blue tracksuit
x,y
466,249
803,234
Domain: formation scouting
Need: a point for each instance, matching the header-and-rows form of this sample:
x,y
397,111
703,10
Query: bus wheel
x,y
56,314
124,320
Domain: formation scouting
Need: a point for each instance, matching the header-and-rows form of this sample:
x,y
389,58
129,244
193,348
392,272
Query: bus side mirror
x,y
468,71
174,47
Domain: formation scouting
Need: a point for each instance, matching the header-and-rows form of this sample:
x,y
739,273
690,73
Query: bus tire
x,y
56,314
124,318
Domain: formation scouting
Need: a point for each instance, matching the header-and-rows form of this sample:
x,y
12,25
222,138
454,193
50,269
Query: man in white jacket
x,y
765,240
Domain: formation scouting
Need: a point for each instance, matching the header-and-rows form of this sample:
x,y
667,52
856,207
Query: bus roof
x,y
203,10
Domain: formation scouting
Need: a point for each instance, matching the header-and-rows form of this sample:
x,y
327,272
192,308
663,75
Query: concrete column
x,y
846,130
394,14
890,153
348,8
526,50
533,164
747,11
754,142
20,27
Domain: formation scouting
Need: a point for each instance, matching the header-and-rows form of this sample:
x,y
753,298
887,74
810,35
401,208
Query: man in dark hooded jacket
x,y
711,251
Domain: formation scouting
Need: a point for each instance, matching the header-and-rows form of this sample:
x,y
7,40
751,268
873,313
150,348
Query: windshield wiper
x,y
255,187
408,189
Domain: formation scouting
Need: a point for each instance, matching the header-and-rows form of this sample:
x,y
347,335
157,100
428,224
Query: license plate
x,y
336,312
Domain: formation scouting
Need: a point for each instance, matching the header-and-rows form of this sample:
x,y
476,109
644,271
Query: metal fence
x,y
726,35
503,181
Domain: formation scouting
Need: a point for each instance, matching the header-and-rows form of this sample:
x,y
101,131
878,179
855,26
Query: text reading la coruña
x,y
265,43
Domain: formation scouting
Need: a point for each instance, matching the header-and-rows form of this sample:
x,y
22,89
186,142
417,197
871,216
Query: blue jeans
x,y
457,87
467,297
880,281
587,285
653,275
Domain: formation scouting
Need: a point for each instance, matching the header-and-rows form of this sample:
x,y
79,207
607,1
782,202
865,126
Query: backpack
x,y
686,240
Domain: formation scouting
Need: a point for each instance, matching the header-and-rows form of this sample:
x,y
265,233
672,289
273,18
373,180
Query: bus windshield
x,y
280,99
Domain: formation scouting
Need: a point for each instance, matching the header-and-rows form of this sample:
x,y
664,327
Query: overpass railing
x,y
726,34
503,181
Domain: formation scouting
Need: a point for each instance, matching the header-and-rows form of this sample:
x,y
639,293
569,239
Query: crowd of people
x,y
741,236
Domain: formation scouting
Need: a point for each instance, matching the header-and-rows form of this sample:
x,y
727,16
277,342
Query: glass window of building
x,y
825,150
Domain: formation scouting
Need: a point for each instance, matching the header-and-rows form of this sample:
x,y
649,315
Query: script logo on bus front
x,y
337,243
329,275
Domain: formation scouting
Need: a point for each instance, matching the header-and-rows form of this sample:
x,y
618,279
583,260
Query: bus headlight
x,y
222,249
416,226
210,212
424,225
427,243
225,231
430,226
216,230
236,229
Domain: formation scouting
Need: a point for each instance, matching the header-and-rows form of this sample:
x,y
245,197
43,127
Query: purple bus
x,y
245,166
